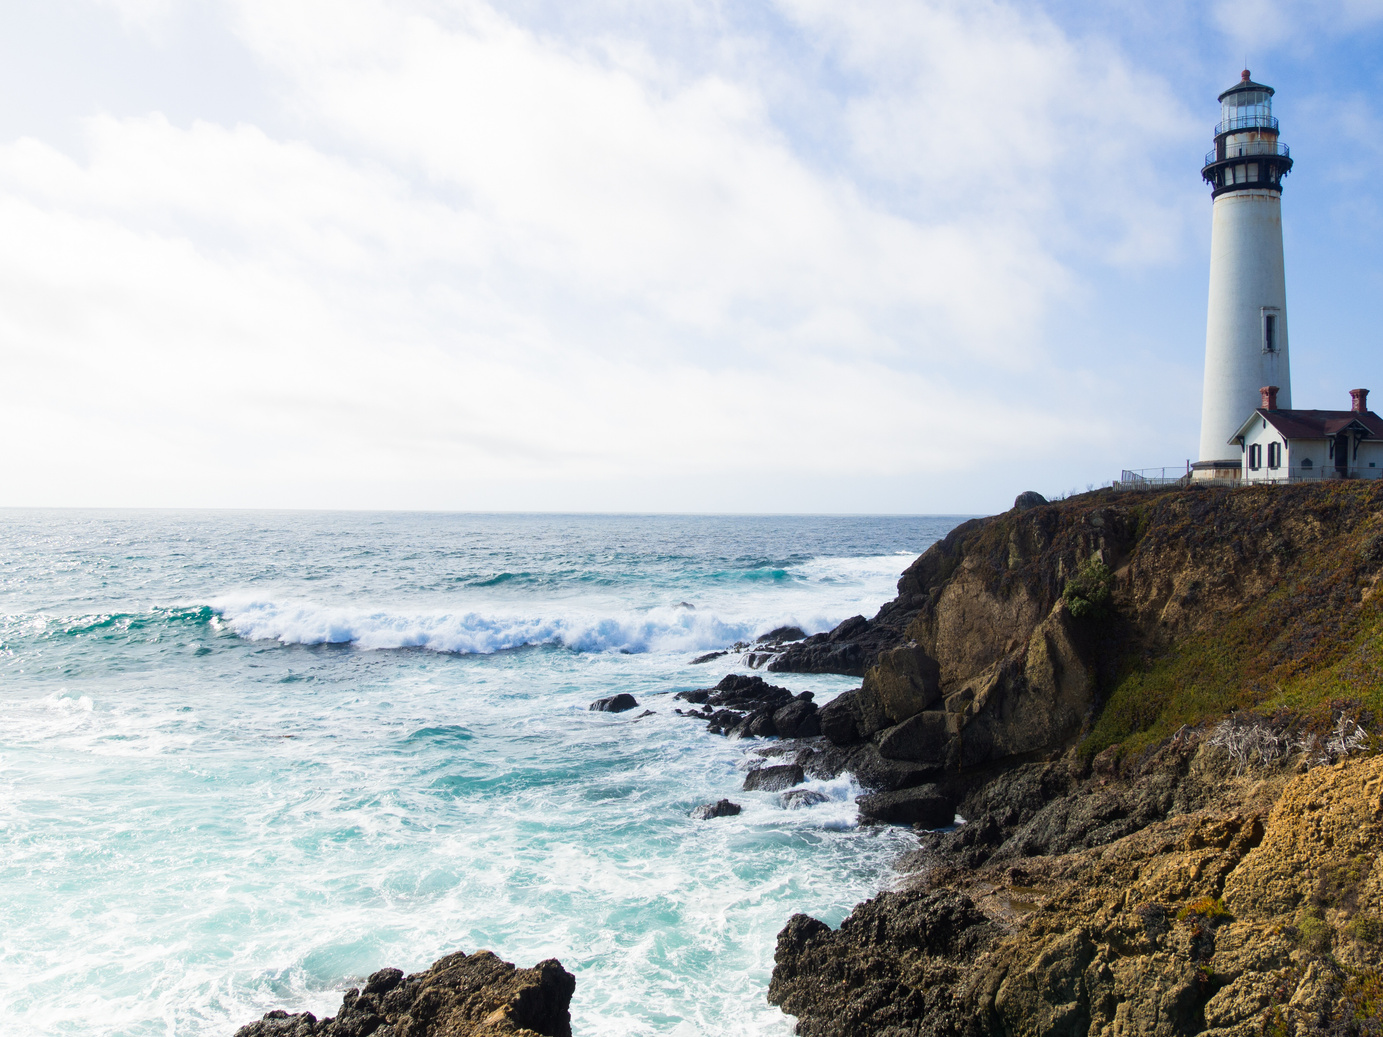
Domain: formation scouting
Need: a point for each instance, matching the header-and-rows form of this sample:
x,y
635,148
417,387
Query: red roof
x,y
1321,424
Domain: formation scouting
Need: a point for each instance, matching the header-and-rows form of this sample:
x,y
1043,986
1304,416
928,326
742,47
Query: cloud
x,y
493,259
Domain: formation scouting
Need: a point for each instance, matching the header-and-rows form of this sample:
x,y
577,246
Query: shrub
x,y
1088,591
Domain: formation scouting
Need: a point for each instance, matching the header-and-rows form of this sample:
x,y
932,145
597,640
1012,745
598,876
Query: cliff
x,y
1152,711
1115,618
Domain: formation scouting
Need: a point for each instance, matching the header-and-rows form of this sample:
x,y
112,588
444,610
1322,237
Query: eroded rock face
x,y
1173,898
980,640
461,995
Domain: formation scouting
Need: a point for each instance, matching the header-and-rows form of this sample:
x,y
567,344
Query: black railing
x,y
1248,150
1246,122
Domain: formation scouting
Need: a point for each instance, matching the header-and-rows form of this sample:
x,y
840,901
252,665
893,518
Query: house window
x,y
1270,332
1274,455
1306,462
1255,457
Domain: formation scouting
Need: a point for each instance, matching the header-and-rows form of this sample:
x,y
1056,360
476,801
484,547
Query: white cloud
x,y
494,261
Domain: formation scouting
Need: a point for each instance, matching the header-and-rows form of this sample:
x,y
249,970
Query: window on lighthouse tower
x,y
1270,333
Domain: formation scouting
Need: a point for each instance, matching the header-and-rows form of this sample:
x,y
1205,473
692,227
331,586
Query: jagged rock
x,y
798,719
891,968
796,799
707,657
774,779
924,805
839,722
1212,913
923,738
461,995
780,634
615,703
720,808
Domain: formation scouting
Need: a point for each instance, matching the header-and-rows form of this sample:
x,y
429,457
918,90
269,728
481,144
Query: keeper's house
x,y
1297,445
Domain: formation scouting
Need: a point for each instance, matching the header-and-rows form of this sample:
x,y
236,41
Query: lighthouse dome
x,y
1246,105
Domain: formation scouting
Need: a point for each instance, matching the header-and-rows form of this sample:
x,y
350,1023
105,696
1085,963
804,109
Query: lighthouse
x,y
1246,322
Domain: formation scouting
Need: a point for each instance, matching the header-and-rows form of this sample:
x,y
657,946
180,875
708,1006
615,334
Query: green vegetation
x,y
1310,643
1087,593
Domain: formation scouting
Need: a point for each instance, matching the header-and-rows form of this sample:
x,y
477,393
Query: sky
x,y
666,256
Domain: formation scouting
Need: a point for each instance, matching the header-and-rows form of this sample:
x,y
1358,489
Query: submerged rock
x,y
796,799
774,779
476,995
720,808
615,703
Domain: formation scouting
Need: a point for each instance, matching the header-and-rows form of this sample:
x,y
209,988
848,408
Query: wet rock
x,y
615,703
891,968
720,808
798,719
796,799
839,722
780,634
774,779
924,806
461,995
707,657
923,738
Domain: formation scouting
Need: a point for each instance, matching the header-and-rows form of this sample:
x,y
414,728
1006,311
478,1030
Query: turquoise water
x,y
248,758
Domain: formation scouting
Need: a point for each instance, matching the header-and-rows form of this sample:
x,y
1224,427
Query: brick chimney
x,y
1359,400
1269,397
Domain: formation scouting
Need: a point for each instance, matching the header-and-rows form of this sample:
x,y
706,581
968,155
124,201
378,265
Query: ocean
x,y
248,758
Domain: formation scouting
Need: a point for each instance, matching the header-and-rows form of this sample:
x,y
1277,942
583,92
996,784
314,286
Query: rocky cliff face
x,y
1133,862
1175,898
987,654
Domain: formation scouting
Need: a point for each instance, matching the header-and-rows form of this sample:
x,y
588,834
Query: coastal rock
x,y
1028,500
747,706
615,703
924,806
720,808
708,657
778,635
796,799
774,779
461,995
1234,905
798,719
891,968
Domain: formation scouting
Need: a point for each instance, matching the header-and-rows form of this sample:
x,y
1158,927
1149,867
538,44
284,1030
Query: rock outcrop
x,y
461,995
1174,898
994,649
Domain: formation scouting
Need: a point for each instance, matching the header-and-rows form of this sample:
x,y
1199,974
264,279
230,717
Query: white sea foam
x,y
828,590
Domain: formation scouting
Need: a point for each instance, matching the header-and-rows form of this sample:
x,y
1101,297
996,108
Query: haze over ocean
x,y
249,758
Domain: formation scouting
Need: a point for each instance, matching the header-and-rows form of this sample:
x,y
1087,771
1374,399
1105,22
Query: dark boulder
x,y
924,805
720,808
1029,499
741,691
924,738
774,779
778,635
891,968
798,718
615,703
707,657
839,722
461,995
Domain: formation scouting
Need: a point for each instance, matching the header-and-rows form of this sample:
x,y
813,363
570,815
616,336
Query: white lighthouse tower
x,y
1246,324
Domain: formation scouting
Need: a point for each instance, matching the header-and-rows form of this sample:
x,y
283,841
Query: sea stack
x,y
1246,321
